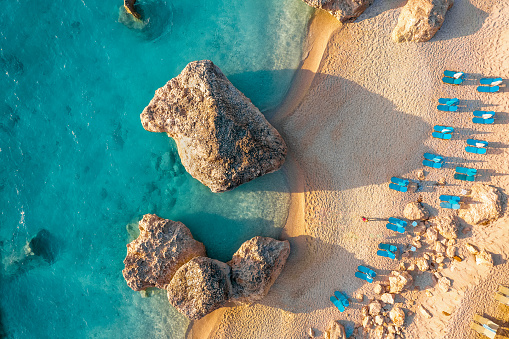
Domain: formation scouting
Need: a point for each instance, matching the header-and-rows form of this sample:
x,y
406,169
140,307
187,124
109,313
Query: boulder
x,y
422,263
425,313
444,284
43,245
200,287
486,205
375,307
397,316
419,20
335,331
129,7
162,247
255,266
415,211
447,226
484,258
223,140
343,10
387,298
399,280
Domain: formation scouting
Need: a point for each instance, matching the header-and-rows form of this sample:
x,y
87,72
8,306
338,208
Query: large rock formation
x,y
447,226
486,205
419,20
162,247
200,287
343,10
255,267
399,281
415,211
223,140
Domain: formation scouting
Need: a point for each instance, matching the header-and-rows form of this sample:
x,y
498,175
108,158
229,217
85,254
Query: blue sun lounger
x,y
483,121
397,221
488,89
433,157
466,170
452,81
448,101
453,74
475,150
399,181
398,188
464,177
443,136
367,270
450,198
432,164
443,129
490,81
337,303
477,143
386,254
449,205
484,114
395,228
342,298
445,108
387,247
364,276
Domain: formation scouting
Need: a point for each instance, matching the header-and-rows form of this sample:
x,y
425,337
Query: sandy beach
x,y
361,110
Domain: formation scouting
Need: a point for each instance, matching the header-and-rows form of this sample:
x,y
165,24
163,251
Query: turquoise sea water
x,y
76,162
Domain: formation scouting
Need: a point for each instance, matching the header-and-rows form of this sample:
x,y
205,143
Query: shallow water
x,y
77,163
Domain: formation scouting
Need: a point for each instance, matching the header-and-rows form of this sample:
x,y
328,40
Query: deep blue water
x,y
76,162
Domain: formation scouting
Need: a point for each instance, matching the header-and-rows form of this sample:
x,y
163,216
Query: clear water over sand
x,y
76,161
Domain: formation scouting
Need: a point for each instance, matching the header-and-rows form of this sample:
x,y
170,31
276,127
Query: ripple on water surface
x,y
78,168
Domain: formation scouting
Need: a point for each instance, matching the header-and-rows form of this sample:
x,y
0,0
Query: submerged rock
x,y
255,267
415,211
419,20
43,245
486,205
162,247
223,140
343,10
200,287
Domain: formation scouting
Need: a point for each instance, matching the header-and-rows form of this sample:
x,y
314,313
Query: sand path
x,y
361,110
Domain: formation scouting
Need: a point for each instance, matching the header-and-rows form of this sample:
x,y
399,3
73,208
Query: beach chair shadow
x,y
468,133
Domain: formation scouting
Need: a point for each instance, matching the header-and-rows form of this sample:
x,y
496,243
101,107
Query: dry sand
x,y
361,110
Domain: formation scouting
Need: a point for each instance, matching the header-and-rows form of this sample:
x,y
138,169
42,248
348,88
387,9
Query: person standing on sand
x,y
365,219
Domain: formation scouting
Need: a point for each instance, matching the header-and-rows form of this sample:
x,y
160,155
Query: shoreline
x,y
356,79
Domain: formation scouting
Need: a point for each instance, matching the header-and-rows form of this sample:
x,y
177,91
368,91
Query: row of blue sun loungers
x,y
398,184
491,85
453,78
476,146
433,160
484,117
448,104
396,225
465,173
365,273
450,202
387,251
442,132
340,301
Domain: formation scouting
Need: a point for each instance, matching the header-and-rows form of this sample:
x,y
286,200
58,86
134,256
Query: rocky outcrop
x,y
397,316
399,280
335,331
415,211
44,245
447,226
129,7
255,267
343,10
419,20
200,287
162,247
223,140
486,205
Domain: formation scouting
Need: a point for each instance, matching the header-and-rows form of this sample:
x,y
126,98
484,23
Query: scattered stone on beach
x,y
439,248
255,267
484,258
419,20
223,140
335,331
411,267
486,205
422,264
444,284
343,10
420,229
439,259
432,234
129,7
441,181
162,247
379,320
415,211
359,296
367,322
420,175
471,249
447,226
375,307
378,332
387,298
377,288
200,287
450,251
311,332
397,316
365,311
399,281
402,266
424,312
